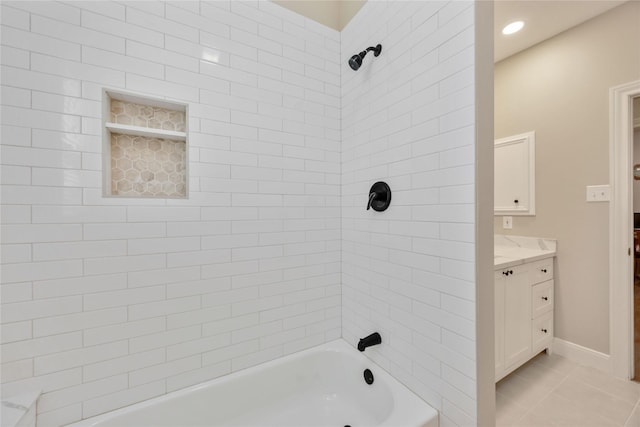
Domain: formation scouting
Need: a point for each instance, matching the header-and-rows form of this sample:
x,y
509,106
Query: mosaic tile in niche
x,y
127,113
143,166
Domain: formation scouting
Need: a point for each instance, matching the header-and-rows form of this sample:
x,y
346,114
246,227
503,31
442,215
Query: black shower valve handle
x,y
379,197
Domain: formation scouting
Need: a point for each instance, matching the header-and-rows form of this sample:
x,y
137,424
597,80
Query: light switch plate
x,y
598,193
507,222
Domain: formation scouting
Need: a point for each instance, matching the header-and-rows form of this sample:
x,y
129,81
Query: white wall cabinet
x,y
523,313
515,175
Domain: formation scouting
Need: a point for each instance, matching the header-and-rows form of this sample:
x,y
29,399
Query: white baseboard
x,y
582,355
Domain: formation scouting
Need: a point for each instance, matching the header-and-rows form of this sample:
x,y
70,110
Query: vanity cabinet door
x,y
499,281
517,316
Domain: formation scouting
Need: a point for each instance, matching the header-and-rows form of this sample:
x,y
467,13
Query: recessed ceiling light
x,y
514,27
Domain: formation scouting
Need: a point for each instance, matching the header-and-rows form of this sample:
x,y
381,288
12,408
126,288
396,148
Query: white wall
x,y
109,301
409,272
560,89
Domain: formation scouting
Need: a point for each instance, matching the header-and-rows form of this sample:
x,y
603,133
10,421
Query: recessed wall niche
x,y
145,147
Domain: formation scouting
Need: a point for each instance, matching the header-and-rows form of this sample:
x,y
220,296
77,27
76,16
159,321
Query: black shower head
x,y
356,60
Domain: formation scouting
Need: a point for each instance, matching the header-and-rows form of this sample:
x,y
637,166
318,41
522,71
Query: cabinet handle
x,y
545,298
544,330
544,270
506,273
515,201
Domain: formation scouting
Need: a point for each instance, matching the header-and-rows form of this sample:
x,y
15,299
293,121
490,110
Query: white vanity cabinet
x,y
523,313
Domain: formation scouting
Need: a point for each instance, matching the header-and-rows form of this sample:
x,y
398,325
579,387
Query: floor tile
x,y
625,390
590,400
552,391
634,419
523,391
508,411
533,420
562,412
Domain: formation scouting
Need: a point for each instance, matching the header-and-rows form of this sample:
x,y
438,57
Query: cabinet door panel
x,y
517,321
499,281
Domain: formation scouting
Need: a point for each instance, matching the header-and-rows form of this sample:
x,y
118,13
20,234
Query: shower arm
x,y
376,51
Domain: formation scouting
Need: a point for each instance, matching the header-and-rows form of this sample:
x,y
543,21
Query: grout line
x,y
635,408
547,369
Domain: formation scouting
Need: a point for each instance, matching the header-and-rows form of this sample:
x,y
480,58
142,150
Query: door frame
x,y
621,228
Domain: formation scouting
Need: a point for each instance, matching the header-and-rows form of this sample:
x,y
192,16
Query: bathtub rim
x,y
403,409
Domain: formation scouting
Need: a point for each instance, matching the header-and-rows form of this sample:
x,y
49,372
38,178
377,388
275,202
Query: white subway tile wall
x,y
110,301
408,272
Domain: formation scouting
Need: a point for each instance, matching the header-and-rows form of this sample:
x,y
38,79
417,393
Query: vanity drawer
x,y
541,298
542,332
542,270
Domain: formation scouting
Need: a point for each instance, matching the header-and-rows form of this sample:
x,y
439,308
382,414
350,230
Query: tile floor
x,y
550,390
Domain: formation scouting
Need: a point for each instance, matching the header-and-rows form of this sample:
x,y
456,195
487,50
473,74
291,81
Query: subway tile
x,y
140,19
66,178
78,321
72,33
105,24
78,285
163,339
173,57
153,373
40,308
104,334
17,331
197,376
123,264
112,10
13,57
40,119
15,253
163,276
30,233
16,97
63,416
163,245
75,394
35,347
40,81
119,399
45,383
163,308
14,17
198,346
123,297
25,272
149,214
157,87
40,43
74,250
14,135
118,61
106,231
16,371
197,258
56,140
121,365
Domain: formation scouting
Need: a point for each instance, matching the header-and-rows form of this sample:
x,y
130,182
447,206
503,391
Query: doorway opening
x,y
621,230
635,116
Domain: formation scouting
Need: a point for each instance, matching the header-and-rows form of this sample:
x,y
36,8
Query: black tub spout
x,y
370,340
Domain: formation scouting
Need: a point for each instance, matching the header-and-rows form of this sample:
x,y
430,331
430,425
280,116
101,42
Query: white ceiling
x,y
543,19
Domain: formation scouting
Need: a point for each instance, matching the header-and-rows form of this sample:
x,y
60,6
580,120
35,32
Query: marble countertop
x,y
514,250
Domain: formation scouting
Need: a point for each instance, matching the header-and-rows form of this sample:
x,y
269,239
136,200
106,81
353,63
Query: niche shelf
x,y
145,147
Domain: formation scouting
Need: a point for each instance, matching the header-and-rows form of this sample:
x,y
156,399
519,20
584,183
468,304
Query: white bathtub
x,y
322,386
